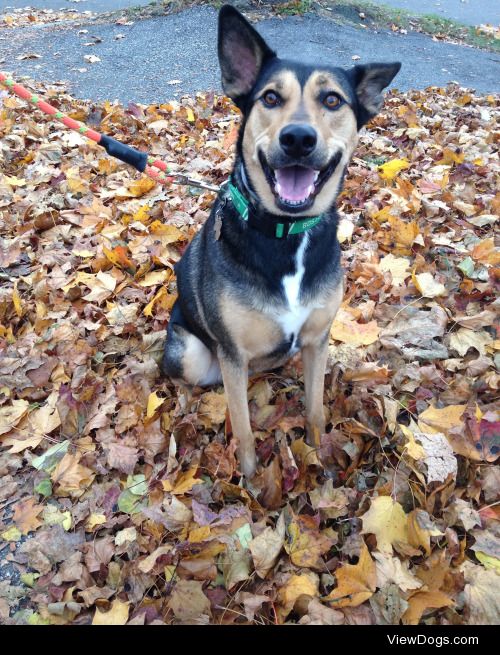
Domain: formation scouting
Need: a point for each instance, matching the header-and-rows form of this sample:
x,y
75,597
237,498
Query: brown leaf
x,y
355,582
26,515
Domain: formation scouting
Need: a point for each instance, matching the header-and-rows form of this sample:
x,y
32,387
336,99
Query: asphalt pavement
x,y
160,58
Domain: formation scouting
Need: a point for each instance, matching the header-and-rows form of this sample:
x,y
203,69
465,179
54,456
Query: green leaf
x,y
12,534
467,267
244,534
51,457
29,578
44,487
137,484
129,503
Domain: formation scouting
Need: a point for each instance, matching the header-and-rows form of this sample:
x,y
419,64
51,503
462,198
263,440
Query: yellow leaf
x,y
16,299
401,235
116,615
190,115
427,285
141,186
355,582
76,185
153,403
71,476
463,339
46,419
451,157
93,520
53,516
390,169
441,420
199,534
14,181
12,534
212,408
422,600
83,252
148,310
142,214
297,585
413,449
398,267
161,229
154,278
10,415
387,521
488,561
382,215
349,331
184,483
119,257
306,543
420,530
107,165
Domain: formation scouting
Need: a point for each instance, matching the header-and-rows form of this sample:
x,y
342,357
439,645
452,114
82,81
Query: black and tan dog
x,y
262,279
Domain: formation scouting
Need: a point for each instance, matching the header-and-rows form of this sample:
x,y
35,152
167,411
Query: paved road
x,y
470,12
183,47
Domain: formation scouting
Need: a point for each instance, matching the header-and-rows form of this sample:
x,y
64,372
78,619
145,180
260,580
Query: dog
x,y
262,279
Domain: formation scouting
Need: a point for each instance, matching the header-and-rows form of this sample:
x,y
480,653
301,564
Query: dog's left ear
x,y
242,51
369,81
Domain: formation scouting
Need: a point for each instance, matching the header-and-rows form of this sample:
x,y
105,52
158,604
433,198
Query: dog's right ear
x,y
242,51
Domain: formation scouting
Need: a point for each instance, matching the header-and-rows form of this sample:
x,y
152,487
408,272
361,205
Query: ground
x,y
120,495
171,55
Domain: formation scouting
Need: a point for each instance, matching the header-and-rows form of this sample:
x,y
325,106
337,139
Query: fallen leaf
x,y
189,603
306,583
116,615
266,547
387,521
427,285
390,169
26,515
355,582
424,600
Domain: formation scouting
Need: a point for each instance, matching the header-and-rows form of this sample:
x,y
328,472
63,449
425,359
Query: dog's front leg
x,y
235,378
314,356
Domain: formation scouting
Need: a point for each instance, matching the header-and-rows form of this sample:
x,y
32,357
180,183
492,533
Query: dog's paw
x,y
248,464
313,436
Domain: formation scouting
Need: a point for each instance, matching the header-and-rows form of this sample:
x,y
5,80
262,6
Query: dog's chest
x,y
292,317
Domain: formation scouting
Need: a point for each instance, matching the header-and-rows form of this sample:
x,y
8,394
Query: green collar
x,y
278,230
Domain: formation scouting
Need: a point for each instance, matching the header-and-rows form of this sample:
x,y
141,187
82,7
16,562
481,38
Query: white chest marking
x,y
294,316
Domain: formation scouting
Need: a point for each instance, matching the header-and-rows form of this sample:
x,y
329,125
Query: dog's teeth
x,y
316,175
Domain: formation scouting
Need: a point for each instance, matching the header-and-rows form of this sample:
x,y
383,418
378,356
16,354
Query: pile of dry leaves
x,y
120,497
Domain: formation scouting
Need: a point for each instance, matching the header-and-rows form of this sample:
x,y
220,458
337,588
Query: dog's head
x,y
300,121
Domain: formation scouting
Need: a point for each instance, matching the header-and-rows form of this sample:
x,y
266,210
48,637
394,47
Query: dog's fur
x,y
248,301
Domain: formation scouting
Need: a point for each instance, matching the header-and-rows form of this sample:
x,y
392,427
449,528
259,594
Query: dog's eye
x,y
271,99
332,101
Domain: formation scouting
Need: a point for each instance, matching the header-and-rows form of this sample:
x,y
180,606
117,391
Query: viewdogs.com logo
x,y
427,640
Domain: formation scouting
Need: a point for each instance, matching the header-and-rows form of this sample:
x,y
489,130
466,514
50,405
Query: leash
x,y
154,168
157,169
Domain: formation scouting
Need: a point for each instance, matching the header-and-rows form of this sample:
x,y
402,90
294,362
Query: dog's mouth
x,y
295,187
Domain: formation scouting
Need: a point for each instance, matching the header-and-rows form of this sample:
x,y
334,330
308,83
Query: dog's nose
x,y
298,140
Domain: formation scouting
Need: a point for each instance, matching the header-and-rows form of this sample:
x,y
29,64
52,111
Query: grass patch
x,y
382,16
293,8
376,16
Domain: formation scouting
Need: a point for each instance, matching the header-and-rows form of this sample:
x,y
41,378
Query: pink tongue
x,y
293,182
